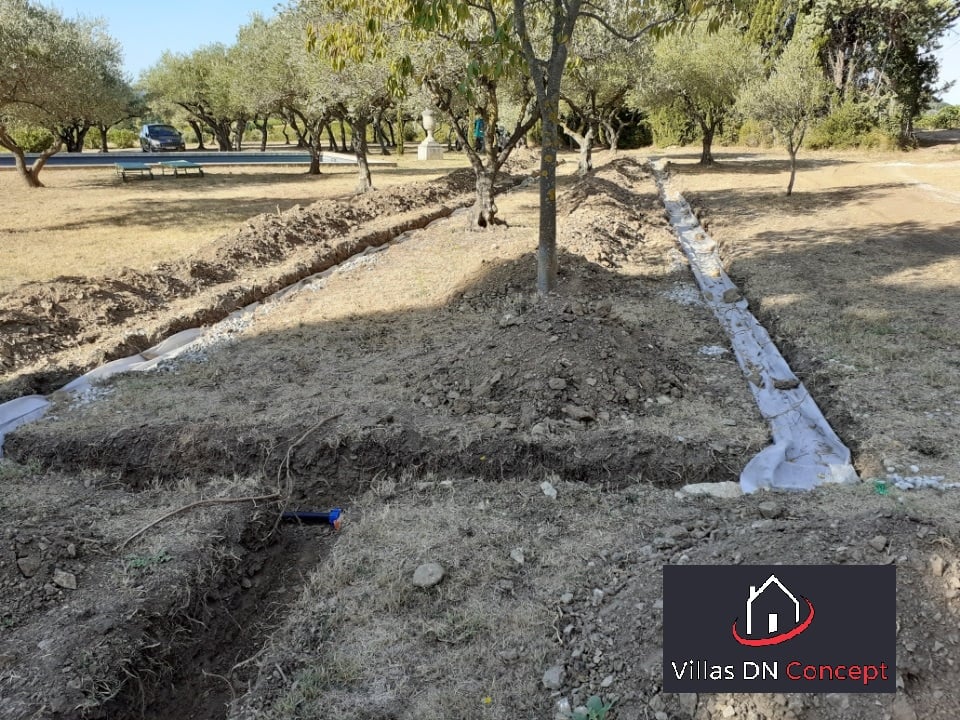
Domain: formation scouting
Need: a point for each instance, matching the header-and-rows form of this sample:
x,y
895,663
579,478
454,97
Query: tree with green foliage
x,y
596,87
791,97
702,73
880,52
53,72
464,55
201,83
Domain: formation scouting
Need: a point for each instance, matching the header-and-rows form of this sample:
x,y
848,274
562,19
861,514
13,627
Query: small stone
x,y
428,575
688,703
631,394
591,381
660,715
770,509
914,468
566,598
28,565
65,579
557,383
607,681
786,383
728,711
71,550
517,556
548,489
731,295
878,543
664,400
902,710
579,413
937,566
553,677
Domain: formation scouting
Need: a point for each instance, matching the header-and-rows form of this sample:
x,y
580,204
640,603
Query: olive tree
x,y
53,71
791,97
701,73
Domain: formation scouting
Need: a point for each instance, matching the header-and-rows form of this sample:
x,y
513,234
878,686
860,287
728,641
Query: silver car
x,y
154,138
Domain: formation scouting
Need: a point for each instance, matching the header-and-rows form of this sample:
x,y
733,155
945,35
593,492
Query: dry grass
x,y
87,222
363,641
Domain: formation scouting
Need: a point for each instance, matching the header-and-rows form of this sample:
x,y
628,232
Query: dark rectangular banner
x,y
779,628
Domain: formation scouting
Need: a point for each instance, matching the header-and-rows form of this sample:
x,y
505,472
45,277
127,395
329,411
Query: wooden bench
x,y
133,168
179,166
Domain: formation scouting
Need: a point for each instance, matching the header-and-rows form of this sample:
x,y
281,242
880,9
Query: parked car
x,y
154,138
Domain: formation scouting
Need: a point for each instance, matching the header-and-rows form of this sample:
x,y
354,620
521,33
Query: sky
x,y
147,29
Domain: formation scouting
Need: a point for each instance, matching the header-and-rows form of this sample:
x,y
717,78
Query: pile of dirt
x,y
106,318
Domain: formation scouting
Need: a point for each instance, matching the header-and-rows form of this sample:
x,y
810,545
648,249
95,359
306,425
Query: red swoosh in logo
x,y
776,639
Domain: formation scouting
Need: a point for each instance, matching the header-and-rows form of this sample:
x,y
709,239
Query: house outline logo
x,y
773,637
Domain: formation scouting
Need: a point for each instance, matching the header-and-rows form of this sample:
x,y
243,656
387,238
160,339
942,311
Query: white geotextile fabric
x,y
805,452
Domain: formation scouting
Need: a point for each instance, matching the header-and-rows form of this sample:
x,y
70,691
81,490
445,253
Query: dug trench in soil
x,y
158,628
53,331
437,354
814,373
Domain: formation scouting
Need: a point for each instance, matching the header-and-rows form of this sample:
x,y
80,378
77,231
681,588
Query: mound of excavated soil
x,y
52,330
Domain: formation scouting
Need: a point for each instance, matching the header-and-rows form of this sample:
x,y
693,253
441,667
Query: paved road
x,y
96,159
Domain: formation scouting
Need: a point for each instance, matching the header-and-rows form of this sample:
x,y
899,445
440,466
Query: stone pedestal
x,y
429,149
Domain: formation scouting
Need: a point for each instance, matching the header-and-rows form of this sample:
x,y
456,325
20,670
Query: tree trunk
x,y
401,127
793,169
359,130
239,128
29,173
546,79
264,129
221,131
286,136
73,136
381,137
485,208
198,131
315,154
332,140
547,241
103,138
706,156
343,136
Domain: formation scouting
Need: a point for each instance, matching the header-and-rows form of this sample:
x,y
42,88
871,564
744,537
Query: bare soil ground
x,y
428,391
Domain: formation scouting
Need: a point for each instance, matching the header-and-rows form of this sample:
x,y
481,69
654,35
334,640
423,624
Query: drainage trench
x,y
805,451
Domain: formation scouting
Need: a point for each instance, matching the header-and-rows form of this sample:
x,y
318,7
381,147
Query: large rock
x,y
428,575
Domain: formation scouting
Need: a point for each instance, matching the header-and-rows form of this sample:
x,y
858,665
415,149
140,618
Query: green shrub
x,y
756,134
846,126
945,118
669,126
122,138
635,135
33,140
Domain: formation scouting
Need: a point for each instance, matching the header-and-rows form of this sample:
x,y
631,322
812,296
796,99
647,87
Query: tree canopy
x,y
56,74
